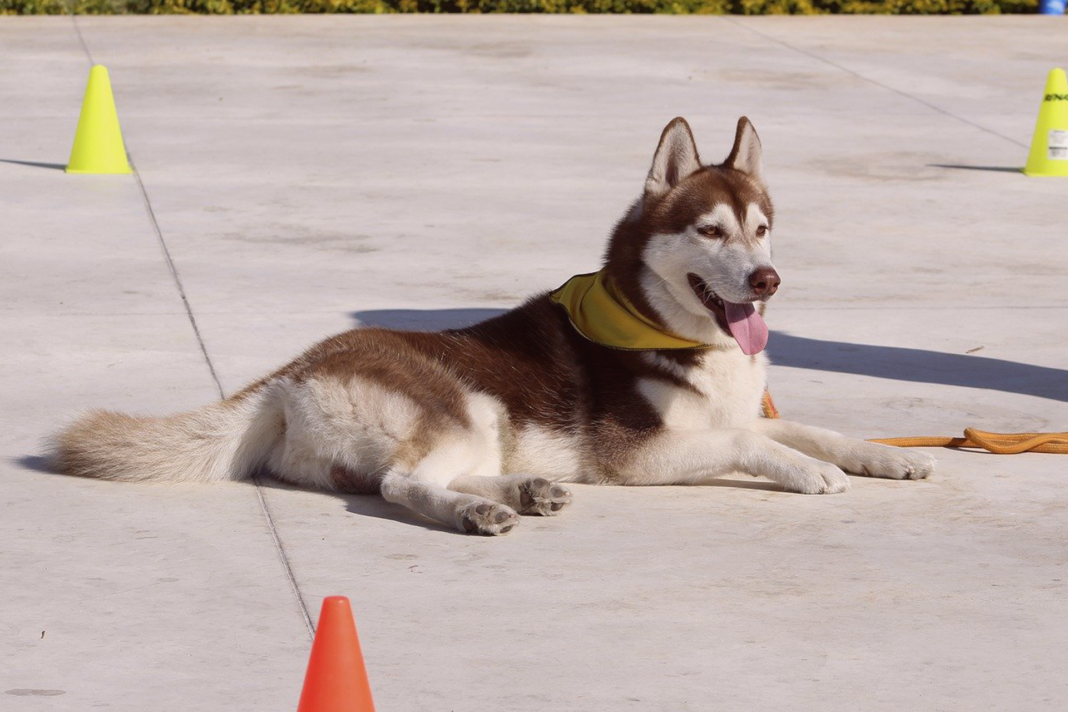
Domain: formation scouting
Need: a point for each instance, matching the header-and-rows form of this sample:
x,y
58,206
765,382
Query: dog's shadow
x,y
785,349
424,319
365,505
37,463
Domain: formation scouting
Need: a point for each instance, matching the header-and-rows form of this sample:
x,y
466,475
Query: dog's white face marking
x,y
728,261
724,262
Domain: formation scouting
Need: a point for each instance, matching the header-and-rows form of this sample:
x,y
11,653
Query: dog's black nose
x,y
765,282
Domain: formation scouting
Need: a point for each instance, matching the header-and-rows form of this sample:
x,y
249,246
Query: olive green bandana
x,y
603,315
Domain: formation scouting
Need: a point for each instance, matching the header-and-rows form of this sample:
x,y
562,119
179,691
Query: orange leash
x,y
997,443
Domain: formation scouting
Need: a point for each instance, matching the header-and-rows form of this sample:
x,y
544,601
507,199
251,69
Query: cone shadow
x,y
995,169
35,164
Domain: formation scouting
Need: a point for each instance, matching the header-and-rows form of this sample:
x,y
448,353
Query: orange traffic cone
x,y
337,679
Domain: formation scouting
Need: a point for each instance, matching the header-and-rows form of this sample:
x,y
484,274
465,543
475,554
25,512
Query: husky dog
x,y
649,372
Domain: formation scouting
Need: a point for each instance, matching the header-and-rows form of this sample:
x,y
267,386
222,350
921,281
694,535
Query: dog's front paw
x,y
487,519
817,477
894,463
540,496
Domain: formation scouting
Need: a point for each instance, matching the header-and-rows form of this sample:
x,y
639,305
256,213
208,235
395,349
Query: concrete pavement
x,y
308,174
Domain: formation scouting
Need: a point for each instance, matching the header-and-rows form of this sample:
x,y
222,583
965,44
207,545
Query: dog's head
x,y
694,252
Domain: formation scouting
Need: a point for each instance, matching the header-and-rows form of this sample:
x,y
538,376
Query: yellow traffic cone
x,y
98,146
1049,147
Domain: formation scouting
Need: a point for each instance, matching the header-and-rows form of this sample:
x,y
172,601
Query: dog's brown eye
x,y
762,231
710,231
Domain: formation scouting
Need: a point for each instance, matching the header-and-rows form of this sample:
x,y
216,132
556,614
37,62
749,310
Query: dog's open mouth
x,y
739,320
712,301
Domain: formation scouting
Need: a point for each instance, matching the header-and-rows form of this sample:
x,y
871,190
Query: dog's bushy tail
x,y
222,441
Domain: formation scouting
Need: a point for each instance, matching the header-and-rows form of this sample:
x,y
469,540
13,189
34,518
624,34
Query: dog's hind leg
x,y
525,494
850,454
424,487
466,512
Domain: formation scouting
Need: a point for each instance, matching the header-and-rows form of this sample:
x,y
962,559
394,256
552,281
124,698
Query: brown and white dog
x,y
474,427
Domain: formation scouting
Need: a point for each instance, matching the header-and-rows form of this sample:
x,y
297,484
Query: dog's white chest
x,y
723,390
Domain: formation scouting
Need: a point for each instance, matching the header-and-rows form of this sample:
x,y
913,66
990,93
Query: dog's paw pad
x,y
540,496
488,519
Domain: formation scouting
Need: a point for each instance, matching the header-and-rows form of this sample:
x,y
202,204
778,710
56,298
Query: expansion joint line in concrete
x,y
284,557
272,529
858,75
78,32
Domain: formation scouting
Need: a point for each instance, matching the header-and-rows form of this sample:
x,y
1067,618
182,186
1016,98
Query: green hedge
x,y
737,7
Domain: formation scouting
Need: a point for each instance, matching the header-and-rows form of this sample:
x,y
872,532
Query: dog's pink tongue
x,y
747,328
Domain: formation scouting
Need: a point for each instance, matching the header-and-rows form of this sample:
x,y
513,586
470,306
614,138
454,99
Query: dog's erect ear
x,y
676,157
745,156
